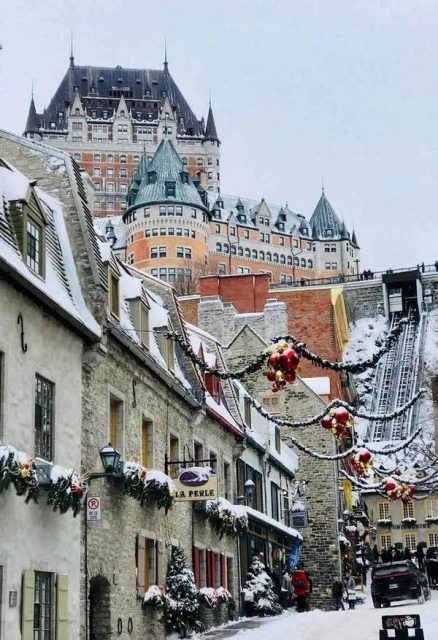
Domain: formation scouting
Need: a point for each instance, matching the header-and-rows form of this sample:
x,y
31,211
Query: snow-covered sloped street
x,y
363,623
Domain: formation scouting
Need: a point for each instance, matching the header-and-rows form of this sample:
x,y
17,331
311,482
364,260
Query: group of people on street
x,y
296,588
347,587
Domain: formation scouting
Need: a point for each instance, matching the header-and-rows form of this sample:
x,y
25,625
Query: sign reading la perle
x,y
195,483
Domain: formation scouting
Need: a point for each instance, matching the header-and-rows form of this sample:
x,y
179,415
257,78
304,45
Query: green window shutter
x,y
62,607
27,604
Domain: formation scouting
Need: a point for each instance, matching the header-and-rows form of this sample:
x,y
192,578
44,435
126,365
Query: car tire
x,y
421,598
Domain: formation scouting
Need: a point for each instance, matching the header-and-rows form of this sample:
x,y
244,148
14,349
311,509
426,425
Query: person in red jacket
x,y
301,584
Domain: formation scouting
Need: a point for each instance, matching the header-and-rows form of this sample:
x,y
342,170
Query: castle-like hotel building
x,y
155,170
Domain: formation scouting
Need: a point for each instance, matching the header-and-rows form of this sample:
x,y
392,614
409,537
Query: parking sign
x,y
93,508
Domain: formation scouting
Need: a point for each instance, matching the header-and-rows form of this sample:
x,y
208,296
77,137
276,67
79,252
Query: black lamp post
x,y
110,458
249,492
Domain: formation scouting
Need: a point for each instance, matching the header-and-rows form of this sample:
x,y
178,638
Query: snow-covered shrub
x,y
182,613
226,518
148,485
156,598
258,591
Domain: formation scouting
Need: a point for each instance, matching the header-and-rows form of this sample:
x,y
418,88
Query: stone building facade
x,y
133,389
43,313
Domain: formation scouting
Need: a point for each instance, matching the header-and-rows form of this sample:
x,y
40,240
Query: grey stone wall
x,y
363,300
112,541
320,552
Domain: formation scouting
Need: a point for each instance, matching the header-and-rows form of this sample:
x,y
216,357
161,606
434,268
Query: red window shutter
x,y
210,568
197,566
224,571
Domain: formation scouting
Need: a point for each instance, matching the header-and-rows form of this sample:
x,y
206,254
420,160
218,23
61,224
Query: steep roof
x,y
33,120
143,89
166,166
210,130
324,221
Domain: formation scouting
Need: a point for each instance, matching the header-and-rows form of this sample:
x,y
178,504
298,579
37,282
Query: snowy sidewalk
x,y
226,631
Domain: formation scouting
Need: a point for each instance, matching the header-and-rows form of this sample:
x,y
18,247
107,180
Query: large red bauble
x,y
274,360
390,485
326,422
78,491
290,358
342,415
271,375
290,376
365,456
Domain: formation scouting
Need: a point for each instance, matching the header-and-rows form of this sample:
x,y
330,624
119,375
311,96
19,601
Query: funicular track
x,y
396,381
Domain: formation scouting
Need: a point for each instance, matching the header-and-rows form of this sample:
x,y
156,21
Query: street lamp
x,y
110,458
249,492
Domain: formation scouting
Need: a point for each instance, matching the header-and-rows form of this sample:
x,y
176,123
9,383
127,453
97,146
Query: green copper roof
x,y
164,173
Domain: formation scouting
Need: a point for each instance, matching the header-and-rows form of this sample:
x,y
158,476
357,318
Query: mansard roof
x,y
210,130
324,221
100,89
166,167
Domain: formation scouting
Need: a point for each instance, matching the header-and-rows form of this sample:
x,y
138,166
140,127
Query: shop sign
x,y
195,483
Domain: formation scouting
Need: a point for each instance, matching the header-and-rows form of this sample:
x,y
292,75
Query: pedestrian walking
x,y
420,556
407,555
375,554
351,591
302,586
287,590
338,594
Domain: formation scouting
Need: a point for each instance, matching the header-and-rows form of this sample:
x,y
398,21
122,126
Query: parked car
x,y
395,581
432,566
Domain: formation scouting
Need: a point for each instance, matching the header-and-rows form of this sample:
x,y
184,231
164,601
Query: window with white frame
x,y
44,417
411,541
384,512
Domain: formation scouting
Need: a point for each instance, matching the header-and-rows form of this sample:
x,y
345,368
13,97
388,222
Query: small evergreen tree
x,y
258,591
183,603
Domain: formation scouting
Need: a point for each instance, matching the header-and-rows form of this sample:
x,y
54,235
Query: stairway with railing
x,y
396,381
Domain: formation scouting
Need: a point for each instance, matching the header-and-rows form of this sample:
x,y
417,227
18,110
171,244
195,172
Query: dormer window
x,y
34,247
152,177
184,177
329,233
170,189
114,299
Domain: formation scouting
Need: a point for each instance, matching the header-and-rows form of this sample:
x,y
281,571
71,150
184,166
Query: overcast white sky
x,y
301,90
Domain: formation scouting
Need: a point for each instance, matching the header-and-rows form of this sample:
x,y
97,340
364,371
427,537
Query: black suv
x,y
395,581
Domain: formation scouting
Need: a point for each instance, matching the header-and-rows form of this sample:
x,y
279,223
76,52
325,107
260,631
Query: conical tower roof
x,y
354,240
210,129
165,169
33,121
324,221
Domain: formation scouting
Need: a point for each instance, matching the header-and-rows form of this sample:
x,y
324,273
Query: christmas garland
x,y
145,485
65,491
17,468
333,405
300,347
226,518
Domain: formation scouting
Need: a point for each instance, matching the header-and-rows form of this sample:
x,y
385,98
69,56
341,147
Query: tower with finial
x,y
72,58
166,64
212,145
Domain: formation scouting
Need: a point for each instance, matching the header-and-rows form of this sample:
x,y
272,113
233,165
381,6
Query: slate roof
x,y
60,287
168,167
100,89
324,218
210,129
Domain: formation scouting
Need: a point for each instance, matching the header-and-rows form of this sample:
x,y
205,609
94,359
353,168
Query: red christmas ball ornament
x,y
364,456
26,466
342,415
143,473
275,389
326,422
271,375
290,358
390,485
290,376
78,491
274,360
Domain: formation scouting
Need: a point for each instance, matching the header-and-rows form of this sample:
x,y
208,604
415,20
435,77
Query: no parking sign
x,y
93,508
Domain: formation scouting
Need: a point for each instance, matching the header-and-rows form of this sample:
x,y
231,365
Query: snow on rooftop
x,y
319,385
258,515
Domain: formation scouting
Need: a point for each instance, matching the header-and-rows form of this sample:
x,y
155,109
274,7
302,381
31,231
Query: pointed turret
x,y
354,240
33,120
122,108
324,221
210,129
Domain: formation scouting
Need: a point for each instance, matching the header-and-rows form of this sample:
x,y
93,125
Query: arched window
x,y
240,251
254,254
261,255
200,162
303,262
218,247
296,262
310,264
247,253
289,261
275,257
268,256
233,249
282,259
226,248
